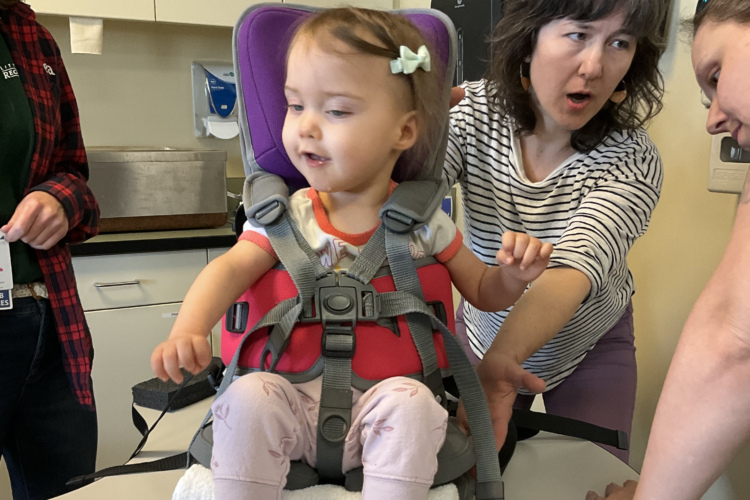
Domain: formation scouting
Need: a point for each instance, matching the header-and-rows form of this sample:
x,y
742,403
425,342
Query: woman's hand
x,y
189,350
39,221
457,95
501,377
615,492
524,257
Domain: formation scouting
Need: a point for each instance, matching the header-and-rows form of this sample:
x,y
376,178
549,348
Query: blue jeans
x,y
46,436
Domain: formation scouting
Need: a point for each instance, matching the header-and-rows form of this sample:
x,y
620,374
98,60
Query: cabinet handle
x,y
118,283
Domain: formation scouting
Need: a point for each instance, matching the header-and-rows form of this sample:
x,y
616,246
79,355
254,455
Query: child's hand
x,y
524,257
191,351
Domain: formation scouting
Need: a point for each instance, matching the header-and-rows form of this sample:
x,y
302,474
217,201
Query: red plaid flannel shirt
x,y
59,168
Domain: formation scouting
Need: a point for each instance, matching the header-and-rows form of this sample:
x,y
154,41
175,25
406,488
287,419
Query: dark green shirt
x,y
16,147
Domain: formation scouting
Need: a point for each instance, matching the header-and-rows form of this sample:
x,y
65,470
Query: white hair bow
x,y
409,61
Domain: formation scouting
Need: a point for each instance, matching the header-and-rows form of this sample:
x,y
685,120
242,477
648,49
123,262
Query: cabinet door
x,y
215,13
123,342
136,10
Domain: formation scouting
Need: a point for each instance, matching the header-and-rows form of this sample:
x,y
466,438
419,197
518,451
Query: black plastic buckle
x,y
438,309
340,299
236,317
215,375
338,336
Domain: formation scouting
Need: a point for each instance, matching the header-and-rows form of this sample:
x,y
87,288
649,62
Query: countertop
x,y
156,241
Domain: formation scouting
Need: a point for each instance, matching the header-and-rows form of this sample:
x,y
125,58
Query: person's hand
x,y
524,257
501,377
457,95
189,350
615,492
39,221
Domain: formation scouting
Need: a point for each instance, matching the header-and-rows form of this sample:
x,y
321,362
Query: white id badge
x,y
6,275
6,300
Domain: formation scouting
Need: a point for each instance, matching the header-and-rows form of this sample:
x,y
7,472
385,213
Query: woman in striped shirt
x,y
551,144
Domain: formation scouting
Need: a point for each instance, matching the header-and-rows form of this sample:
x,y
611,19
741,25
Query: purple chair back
x,y
261,41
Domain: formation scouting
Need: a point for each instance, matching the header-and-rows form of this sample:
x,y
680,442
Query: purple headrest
x,y
262,39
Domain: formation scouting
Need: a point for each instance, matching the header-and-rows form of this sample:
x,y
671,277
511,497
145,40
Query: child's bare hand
x,y
191,351
524,257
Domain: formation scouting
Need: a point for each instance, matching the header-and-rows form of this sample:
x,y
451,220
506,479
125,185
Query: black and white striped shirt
x,y
592,208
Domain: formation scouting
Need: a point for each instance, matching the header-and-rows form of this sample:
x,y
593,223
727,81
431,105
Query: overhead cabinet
x,y
227,12
215,13
135,10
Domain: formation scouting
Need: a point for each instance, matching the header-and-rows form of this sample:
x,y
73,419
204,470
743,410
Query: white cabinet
x,y
215,13
216,252
131,302
227,12
113,281
123,342
137,10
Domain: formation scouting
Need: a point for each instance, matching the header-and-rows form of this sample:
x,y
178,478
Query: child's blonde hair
x,y
391,31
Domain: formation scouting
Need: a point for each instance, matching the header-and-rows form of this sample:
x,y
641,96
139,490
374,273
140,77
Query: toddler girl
x,y
362,91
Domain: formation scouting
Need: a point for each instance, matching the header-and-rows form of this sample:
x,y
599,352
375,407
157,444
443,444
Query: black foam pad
x,y
155,394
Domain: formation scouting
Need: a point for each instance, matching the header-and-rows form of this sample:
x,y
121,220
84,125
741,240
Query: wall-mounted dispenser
x,y
727,168
214,100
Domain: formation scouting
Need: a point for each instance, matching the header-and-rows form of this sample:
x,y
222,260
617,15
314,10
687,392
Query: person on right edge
x,y
703,416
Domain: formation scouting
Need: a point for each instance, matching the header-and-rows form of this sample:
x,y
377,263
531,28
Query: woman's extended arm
x,y
703,416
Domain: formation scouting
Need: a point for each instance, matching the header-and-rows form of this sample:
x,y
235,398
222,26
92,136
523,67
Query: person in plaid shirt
x,y
48,427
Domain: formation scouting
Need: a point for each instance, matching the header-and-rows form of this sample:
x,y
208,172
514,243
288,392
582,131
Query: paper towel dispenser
x,y
214,100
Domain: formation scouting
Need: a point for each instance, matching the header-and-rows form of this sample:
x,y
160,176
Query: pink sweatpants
x,y
263,421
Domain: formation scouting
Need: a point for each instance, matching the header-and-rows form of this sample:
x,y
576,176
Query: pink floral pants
x,y
263,421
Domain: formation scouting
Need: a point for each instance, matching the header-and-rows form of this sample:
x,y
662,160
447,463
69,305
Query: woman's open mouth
x,y
578,100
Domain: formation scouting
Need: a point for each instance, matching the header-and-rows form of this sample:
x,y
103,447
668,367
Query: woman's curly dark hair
x,y
514,39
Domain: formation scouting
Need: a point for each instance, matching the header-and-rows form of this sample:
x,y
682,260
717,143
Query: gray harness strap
x,y
304,268
489,481
338,347
339,342
406,279
372,256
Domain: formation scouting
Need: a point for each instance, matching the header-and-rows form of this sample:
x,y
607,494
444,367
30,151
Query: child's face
x,y
347,123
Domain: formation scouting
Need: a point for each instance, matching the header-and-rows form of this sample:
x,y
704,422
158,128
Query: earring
x,y
525,80
619,94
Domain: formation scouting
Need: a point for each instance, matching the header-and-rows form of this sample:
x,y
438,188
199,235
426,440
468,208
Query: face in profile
x,y
721,61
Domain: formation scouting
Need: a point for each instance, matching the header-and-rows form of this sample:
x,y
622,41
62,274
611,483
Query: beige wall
x,y
138,93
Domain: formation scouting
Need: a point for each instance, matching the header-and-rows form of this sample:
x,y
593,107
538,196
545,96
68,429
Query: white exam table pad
x,y
546,466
